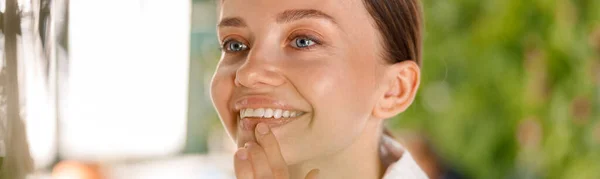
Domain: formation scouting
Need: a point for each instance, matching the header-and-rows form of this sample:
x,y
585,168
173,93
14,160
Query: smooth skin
x,y
329,65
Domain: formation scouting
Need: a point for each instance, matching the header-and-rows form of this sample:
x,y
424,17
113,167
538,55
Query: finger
x,y
313,174
243,167
269,143
259,161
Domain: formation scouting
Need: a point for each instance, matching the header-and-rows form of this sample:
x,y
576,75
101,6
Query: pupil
x,y
303,42
235,46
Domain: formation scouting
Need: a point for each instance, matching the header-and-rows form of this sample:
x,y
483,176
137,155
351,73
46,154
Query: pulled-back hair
x,y
399,23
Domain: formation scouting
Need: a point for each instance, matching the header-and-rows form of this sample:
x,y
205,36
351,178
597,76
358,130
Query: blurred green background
x,y
510,88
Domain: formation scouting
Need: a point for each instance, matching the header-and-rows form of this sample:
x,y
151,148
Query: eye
x,y
234,46
303,42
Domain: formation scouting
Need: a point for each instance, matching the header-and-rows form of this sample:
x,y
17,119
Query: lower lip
x,y
249,123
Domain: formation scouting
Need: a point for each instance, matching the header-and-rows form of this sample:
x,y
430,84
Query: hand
x,y
263,159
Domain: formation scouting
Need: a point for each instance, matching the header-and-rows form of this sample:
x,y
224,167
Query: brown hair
x,y
400,24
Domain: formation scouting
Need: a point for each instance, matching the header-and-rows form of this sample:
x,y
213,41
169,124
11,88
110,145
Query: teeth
x,y
259,112
248,112
268,113
285,114
277,113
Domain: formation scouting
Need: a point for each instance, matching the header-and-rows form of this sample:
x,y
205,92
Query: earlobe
x,y
403,81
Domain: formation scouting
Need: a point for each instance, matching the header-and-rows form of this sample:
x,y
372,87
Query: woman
x,y
303,87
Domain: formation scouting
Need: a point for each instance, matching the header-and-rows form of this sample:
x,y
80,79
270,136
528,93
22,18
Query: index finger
x,y
269,143
242,165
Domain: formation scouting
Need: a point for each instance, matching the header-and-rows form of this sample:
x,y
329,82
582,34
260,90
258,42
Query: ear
x,y
401,82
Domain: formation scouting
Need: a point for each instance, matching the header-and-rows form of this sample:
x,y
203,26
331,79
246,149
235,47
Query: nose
x,y
259,70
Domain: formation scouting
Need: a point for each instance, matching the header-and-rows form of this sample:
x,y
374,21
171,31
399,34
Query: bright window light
x,y
128,81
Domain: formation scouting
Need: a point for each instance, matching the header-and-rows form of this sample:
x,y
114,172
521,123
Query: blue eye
x,y
303,42
235,46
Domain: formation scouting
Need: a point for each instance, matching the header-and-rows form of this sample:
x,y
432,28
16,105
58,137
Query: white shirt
x,y
402,164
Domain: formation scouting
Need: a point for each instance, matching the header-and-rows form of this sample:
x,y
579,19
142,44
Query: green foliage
x,y
510,88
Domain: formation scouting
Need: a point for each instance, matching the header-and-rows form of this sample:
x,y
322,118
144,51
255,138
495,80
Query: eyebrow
x,y
232,22
298,14
281,18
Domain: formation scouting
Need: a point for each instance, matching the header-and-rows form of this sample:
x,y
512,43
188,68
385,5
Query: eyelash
x,y
223,47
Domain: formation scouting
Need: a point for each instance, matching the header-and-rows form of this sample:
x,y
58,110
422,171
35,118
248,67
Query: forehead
x,y
340,10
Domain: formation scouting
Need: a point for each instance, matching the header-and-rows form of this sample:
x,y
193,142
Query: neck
x,y
359,160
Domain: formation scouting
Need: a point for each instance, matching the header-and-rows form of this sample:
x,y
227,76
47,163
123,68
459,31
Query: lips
x,y
252,110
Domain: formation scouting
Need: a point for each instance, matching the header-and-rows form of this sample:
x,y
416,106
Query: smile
x,y
249,118
269,113
251,110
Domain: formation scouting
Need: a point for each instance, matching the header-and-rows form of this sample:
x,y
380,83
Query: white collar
x,y
398,160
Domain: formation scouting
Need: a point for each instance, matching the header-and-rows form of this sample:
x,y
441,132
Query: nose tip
x,y
255,75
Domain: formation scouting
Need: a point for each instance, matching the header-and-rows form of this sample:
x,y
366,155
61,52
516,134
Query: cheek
x,y
220,93
340,94
341,108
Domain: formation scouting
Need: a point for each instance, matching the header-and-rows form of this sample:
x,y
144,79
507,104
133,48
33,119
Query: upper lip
x,y
261,101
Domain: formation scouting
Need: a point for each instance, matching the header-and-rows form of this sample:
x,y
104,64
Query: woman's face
x,y
317,59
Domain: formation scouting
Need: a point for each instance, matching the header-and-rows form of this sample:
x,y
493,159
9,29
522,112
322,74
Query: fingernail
x,y
316,174
262,129
242,154
247,144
